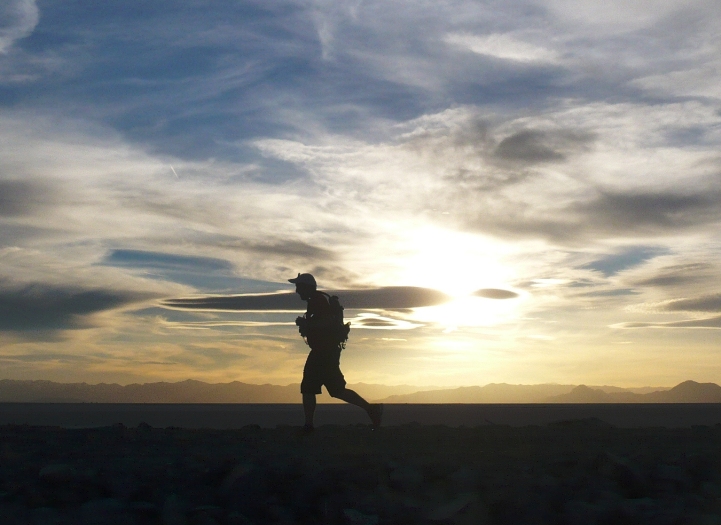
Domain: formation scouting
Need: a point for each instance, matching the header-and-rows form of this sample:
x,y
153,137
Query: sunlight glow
x,y
453,262
469,311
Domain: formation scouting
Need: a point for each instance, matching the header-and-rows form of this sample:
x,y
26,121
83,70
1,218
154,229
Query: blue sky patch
x,y
207,274
628,258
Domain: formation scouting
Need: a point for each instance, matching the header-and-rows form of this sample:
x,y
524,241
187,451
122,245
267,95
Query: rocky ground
x,y
577,472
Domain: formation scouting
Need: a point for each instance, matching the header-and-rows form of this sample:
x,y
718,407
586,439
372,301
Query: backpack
x,y
339,329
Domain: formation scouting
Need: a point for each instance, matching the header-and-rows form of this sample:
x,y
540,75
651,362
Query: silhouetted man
x,y
323,364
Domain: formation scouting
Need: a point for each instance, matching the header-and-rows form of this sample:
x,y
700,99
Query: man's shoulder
x,y
318,301
317,295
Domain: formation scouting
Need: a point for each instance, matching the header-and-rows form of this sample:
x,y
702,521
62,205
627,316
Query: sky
x,y
519,191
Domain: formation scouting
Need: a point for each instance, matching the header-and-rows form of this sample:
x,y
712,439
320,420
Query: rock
x,y
13,514
671,476
641,509
145,509
589,423
700,468
103,511
237,473
45,516
628,477
121,485
173,512
509,509
204,519
355,517
465,479
406,478
58,473
213,511
237,518
711,490
398,510
143,427
363,476
581,513
452,508
707,519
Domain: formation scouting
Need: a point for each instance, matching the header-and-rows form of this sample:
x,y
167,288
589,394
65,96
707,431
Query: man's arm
x,y
318,318
312,322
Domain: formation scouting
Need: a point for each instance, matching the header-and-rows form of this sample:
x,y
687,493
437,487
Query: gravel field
x,y
573,472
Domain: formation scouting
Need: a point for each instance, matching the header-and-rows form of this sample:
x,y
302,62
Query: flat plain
x,y
579,471
269,415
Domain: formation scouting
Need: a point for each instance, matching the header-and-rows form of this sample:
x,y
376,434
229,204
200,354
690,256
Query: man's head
x,y
305,285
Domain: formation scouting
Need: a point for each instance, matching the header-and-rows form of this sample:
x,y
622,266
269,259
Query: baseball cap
x,y
303,278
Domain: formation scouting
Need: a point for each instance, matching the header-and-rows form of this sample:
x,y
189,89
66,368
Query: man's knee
x,y
335,391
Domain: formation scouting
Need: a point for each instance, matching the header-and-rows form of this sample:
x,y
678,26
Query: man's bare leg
x,y
309,409
350,396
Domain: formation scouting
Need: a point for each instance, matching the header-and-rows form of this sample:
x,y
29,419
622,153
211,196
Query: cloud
x,y
18,18
706,303
502,46
292,248
495,293
609,293
19,197
651,212
373,321
44,308
679,275
388,298
711,322
615,15
527,146
619,215
165,261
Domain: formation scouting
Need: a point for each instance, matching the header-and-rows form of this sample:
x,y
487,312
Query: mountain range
x,y
191,391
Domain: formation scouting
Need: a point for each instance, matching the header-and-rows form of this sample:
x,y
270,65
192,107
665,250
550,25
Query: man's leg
x,y
352,397
309,409
375,412
309,387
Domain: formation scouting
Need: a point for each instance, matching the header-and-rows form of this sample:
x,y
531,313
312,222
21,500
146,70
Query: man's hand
x,y
302,324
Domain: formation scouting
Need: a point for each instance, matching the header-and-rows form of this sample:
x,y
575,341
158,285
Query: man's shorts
x,y
322,368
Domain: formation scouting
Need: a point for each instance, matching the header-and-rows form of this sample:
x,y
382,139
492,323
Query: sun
x,y
458,264
467,312
453,262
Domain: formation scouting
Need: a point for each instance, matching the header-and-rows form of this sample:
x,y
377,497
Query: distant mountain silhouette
x,y
188,391
585,394
686,392
191,391
491,393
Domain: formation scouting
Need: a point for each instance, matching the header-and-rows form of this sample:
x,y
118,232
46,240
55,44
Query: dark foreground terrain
x,y
575,472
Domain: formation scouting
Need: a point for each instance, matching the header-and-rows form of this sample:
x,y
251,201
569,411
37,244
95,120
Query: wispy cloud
x,y
502,46
41,308
18,18
710,322
387,298
706,303
495,293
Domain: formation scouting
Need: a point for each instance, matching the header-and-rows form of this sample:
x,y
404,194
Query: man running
x,y
323,364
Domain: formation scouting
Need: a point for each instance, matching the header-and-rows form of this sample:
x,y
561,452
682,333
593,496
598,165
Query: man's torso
x,y
320,338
